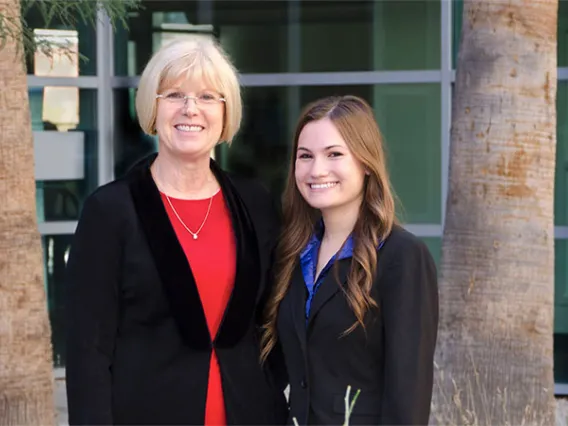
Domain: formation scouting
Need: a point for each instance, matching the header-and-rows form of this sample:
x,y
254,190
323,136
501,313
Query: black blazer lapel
x,y
171,262
335,278
242,303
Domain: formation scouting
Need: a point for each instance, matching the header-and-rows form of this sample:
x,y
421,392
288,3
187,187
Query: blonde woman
x,y
169,264
355,302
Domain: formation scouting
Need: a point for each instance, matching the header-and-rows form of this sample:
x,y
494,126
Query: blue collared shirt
x,y
309,261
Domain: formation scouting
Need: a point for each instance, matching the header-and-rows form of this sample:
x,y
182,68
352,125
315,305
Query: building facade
x,y
398,55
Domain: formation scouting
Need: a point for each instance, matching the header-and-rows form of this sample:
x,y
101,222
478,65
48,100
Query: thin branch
x,y
61,13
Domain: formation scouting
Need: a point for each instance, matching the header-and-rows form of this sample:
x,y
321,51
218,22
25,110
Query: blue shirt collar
x,y
315,241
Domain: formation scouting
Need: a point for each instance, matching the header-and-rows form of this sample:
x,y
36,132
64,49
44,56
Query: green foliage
x,y
66,14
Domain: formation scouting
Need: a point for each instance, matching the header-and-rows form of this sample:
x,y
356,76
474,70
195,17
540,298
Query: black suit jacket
x,y
390,361
138,346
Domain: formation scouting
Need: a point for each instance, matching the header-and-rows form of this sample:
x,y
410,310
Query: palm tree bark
x,y
497,267
26,370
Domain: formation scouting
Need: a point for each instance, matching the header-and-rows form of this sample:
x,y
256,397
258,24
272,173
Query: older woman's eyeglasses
x,y
200,99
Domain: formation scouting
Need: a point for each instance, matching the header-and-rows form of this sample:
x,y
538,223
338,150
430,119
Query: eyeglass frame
x,y
186,99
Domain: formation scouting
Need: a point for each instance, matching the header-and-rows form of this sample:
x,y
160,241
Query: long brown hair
x,y
354,120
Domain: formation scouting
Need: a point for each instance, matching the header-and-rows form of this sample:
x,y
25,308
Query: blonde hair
x,y
355,121
193,57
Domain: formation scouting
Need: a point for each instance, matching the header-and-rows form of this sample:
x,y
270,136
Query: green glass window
x,y
372,35
434,245
409,116
457,17
286,36
561,312
254,33
561,176
562,33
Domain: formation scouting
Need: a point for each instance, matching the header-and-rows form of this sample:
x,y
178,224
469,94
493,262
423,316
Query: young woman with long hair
x,y
355,302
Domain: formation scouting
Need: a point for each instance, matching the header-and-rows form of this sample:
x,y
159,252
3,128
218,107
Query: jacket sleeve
x,y
410,315
92,315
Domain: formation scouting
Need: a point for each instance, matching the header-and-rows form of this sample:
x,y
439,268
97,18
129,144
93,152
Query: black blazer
x,y
391,361
138,346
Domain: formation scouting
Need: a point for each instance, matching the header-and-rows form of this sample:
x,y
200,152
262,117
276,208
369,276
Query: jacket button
x,y
303,384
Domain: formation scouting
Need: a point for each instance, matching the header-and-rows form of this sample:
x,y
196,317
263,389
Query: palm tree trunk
x,y
26,372
497,268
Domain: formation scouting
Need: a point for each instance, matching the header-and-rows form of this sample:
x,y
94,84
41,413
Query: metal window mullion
x,y
205,13
561,232
445,96
562,73
58,373
57,228
104,99
82,82
294,52
341,78
561,389
318,78
424,229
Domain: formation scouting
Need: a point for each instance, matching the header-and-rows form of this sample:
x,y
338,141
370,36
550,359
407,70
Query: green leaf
x,y
67,14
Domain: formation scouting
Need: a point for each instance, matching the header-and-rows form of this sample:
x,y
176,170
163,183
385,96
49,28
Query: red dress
x,y
212,257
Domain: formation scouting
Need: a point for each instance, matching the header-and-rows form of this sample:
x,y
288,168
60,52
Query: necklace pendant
x,y
195,236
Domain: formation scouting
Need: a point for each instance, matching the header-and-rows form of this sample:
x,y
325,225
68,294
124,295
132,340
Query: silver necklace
x,y
196,233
